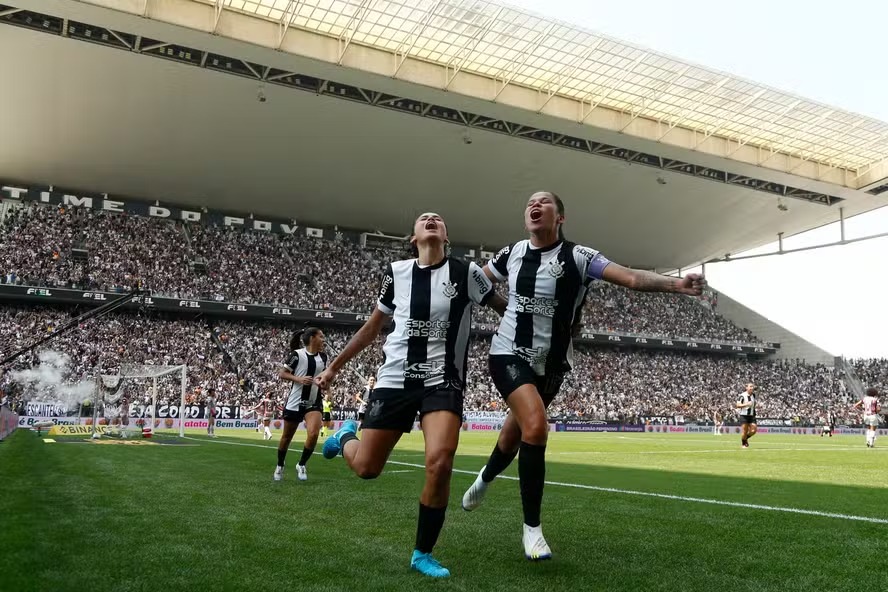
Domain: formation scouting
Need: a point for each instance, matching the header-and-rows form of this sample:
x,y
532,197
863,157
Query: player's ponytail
x,y
296,339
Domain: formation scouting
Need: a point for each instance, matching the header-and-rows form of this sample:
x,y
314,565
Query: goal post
x,y
110,390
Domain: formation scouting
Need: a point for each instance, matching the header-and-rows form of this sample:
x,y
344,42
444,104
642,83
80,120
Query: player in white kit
x,y
871,408
263,413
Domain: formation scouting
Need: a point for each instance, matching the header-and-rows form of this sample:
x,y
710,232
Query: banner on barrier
x,y
485,415
594,425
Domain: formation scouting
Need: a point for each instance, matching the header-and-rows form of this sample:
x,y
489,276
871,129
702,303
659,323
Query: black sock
x,y
497,463
282,455
345,439
428,527
532,475
306,454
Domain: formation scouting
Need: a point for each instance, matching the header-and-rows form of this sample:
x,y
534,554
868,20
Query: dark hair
x,y
872,392
304,336
560,205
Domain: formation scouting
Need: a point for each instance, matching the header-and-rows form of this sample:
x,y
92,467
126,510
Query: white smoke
x,y
46,382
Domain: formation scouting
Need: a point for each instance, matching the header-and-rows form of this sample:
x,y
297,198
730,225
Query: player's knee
x,y
509,440
439,466
535,429
368,472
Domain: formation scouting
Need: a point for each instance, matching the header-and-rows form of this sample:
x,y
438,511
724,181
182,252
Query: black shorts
x,y
747,418
326,416
298,415
511,372
396,409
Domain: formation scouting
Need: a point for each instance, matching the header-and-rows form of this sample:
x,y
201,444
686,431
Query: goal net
x,y
140,398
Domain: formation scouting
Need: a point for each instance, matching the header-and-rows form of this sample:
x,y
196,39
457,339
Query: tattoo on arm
x,y
648,281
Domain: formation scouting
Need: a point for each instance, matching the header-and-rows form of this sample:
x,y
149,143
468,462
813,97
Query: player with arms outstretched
x,y
532,350
871,408
430,298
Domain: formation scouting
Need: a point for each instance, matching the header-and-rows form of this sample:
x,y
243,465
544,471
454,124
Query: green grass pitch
x,y
622,512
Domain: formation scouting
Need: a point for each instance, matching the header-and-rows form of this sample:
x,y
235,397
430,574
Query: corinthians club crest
x,y
556,269
450,289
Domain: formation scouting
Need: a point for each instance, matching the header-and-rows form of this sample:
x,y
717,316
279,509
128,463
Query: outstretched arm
x,y
364,337
648,281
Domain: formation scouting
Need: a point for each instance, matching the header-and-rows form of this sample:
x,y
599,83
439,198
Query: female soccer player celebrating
x,y
304,402
532,348
430,298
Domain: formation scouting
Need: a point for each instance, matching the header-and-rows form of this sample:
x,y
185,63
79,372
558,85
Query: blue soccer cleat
x,y
332,447
427,565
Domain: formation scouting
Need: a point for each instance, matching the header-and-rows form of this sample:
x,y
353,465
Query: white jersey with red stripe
x,y
263,410
870,405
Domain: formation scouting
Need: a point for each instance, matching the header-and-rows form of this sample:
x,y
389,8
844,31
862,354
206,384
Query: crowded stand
x,y
609,384
240,359
872,372
236,265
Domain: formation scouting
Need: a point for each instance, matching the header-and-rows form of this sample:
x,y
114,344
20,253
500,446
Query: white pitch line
x,y
681,498
404,471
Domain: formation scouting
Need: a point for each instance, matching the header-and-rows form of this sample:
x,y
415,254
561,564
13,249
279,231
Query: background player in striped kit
x,y
304,402
362,399
532,349
871,407
746,405
211,412
431,299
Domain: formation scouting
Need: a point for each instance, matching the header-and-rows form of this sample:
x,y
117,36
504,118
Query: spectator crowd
x,y
51,246
240,359
193,261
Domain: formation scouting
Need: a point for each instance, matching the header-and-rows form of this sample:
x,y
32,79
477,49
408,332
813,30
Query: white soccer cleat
x,y
535,546
301,473
279,473
474,495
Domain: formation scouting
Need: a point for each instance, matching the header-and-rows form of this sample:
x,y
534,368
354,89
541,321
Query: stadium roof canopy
x,y
461,106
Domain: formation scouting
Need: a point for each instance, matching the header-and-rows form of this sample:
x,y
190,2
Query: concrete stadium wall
x,y
791,345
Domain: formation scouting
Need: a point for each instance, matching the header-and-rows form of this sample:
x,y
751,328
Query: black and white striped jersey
x,y
743,400
547,287
432,311
302,363
362,406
